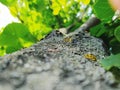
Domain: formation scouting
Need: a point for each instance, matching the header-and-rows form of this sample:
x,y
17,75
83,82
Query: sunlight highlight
x,y
5,16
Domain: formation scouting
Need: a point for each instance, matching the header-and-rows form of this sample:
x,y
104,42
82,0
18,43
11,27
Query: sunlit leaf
x,y
86,2
56,11
16,36
13,10
8,2
56,7
2,51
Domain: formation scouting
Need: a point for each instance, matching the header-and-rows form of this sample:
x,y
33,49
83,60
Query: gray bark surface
x,y
58,63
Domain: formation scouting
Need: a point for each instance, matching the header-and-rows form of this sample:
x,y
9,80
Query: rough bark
x,y
58,63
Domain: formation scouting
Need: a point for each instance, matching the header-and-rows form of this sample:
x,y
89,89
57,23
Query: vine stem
x,y
91,22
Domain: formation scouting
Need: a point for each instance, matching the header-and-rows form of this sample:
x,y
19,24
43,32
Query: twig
x,y
93,21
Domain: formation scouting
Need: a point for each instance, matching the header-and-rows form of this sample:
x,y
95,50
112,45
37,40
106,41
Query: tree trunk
x,y
58,63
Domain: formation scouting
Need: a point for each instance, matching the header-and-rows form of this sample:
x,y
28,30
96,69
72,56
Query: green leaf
x,y
16,36
103,10
8,2
98,30
117,33
11,49
2,51
86,2
4,2
111,61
